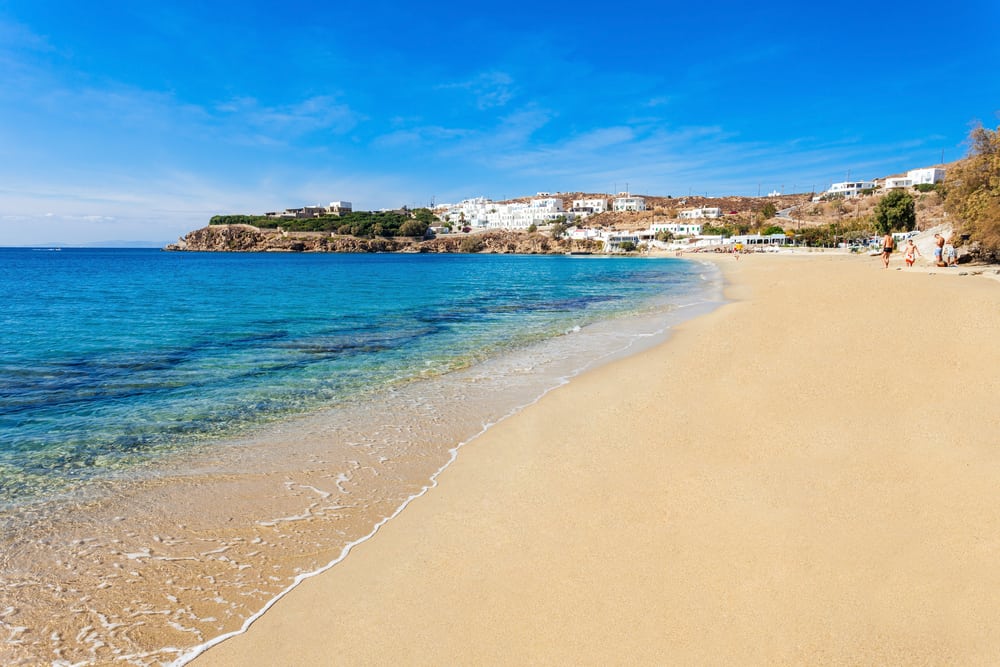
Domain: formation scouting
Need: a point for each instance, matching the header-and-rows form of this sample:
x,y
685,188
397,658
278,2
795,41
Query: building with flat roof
x,y
626,202
703,212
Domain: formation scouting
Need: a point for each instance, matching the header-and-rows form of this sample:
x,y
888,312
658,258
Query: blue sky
x,y
138,121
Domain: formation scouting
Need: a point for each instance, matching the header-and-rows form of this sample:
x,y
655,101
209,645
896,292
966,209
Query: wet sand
x,y
807,475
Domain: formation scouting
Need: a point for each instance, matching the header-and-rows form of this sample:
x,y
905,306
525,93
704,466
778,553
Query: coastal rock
x,y
247,238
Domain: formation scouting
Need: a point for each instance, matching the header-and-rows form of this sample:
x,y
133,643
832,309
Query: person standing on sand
x,y
949,255
910,252
938,250
888,243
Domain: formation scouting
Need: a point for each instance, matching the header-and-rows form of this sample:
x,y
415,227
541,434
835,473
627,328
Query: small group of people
x,y
944,251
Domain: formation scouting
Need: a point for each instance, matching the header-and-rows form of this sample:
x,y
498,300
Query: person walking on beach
x,y
888,243
910,252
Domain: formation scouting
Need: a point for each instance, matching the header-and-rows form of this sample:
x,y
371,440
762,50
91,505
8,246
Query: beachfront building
x,y
757,240
677,228
703,212
585,234
625,202
613,240
850,188
585,207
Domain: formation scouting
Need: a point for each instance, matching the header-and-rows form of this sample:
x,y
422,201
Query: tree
x,y
972,194
772,229
424,215
627,246
413,228
768,211
896,212
557,230
532,228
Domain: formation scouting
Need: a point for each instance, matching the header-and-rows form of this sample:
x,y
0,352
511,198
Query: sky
x,y
137,121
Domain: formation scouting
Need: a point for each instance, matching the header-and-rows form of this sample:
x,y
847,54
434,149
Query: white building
x,y
929,175
703,212
626,202
335,208
897,182
850,188
613,240
757,239
677,228
585,234
588,206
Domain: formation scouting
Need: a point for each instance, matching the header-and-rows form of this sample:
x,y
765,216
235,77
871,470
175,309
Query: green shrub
x,y
413,228
895,212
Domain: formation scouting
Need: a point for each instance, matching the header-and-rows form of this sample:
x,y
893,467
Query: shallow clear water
x,y
184,436
110,357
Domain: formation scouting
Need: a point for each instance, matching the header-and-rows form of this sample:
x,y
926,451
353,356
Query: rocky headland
x,y
247,238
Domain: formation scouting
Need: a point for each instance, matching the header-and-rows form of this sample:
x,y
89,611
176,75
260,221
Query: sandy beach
x,y
806,475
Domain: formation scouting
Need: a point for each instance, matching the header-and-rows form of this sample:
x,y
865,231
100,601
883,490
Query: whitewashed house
x,y
589,206
584,234
897,182
850,188
463,212
929,175
677,228
703,212
613,240
626,202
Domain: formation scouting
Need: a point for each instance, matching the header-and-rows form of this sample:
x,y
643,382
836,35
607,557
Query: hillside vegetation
x,y
973,194
363,224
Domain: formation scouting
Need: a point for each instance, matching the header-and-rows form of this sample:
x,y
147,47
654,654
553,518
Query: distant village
x,y
685,230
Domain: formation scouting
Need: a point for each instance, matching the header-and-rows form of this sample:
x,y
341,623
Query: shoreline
x,y
259,514
644,527
707,301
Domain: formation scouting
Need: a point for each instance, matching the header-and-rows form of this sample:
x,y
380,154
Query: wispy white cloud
x,y
488,90
321,112
419,136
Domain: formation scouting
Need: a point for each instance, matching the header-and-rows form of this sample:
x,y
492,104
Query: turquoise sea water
x,y
185,436
113,357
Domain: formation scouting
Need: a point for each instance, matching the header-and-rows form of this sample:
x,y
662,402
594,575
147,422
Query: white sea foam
x,y
607,341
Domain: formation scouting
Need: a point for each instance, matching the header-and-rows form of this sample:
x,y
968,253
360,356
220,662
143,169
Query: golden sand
x,y
808,475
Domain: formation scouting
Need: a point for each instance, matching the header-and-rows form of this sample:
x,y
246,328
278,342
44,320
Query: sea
x,y
184,437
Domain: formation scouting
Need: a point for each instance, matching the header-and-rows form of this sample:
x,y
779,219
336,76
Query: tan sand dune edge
x,y
807,475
